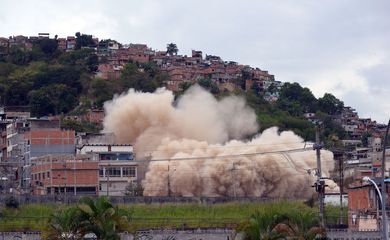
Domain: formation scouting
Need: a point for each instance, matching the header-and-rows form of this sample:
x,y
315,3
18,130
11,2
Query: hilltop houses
x,y
113,56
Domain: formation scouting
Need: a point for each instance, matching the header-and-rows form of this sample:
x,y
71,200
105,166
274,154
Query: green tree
x,y
102,218
81,60
52,99
172,49
131,77
330,104
101,91
84,40
48,46
300,98
209,85
92,62
66,224
302,225
264,226
18,55
59,74
184,86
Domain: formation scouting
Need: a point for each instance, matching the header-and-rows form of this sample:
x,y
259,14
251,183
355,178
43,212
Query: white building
x,y
117,168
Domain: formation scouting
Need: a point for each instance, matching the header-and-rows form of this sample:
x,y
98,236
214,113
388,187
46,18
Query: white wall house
x,y
117,168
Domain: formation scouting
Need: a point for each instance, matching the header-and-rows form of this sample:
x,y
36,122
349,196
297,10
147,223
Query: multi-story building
x,y
65,175
4,42
117,168
70,43
62,44
3,135
46,137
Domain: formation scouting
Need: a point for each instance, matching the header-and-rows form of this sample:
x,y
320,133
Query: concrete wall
x,y
117,188
46,149
197,234
352,235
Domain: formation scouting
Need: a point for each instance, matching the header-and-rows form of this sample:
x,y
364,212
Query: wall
x,y
70,174
53,141
351,235
197,234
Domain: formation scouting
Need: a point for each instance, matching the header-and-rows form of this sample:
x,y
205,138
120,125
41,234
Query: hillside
x,y
57,79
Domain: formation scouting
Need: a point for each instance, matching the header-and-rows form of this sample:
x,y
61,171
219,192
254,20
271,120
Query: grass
x,y
31,217
34,217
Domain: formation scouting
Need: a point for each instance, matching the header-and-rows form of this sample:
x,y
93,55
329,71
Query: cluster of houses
x,y
113,56
360,158
38,157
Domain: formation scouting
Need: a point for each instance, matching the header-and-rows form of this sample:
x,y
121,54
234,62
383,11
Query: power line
x,y
227,156
222,146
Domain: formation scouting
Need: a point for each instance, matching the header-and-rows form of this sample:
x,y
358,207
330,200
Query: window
x,y
48,174
101,172
129,172
113,171
116,156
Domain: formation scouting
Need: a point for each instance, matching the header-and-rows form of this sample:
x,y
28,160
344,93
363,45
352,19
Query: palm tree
x,y
264,226
65,224
302,225
102,218
172,49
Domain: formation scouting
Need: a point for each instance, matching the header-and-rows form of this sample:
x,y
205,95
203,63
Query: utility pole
x,y
108,180
66,179
169,183
341,185
234,178
383,187
320,184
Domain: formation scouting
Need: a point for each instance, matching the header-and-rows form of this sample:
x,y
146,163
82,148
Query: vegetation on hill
x,y
59,83
288,112
55,82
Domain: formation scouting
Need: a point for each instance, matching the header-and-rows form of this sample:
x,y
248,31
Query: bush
x,y
11,202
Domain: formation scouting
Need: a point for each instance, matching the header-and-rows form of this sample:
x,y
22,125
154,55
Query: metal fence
x,y
345,234
72,199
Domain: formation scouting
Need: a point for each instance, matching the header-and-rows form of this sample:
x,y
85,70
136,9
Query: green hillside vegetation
x,y
54,82
287,112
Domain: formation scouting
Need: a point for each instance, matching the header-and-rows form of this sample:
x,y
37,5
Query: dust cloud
x,y
196,147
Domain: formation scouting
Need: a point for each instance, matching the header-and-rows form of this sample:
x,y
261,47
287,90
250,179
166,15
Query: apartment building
x,y
117,168
65,175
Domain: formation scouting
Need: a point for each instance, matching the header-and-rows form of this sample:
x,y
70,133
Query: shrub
x,y
11,202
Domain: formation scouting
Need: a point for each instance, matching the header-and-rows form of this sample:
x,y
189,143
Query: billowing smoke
x,y
195,146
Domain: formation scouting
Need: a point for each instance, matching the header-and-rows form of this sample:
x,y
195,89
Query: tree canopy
x,y
172,49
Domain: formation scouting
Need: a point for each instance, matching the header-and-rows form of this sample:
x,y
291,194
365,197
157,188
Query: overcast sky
x,y
337,46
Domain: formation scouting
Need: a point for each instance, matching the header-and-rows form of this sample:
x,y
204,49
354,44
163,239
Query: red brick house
x,y
64,174
364,208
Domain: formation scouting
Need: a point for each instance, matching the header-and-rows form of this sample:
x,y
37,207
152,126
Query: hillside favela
x,y
108,137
